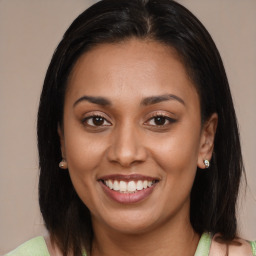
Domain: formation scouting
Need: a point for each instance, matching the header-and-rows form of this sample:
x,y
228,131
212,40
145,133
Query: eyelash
x,y
166,118
86,119
157,115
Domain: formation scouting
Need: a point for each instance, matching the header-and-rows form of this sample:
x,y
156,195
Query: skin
x,y
130,142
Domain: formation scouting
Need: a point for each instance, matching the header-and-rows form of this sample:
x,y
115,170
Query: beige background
x,y
29,33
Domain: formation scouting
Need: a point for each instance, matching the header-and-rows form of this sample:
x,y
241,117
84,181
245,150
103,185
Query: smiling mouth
x,y
131,186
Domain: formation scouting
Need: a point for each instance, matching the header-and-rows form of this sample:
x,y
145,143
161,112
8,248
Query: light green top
x,y
37,247
253,245
204,245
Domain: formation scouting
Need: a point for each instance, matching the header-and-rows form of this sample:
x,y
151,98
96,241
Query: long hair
x,y
214,192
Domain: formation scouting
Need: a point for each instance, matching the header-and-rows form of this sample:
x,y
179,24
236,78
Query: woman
x,y
137,135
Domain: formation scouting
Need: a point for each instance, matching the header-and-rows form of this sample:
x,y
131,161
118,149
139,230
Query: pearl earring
x,y
206,163
63,164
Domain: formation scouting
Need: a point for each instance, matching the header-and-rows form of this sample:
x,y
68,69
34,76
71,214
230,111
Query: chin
x,y
129,222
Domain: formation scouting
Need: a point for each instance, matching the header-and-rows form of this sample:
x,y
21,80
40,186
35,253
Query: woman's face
x,y
132,135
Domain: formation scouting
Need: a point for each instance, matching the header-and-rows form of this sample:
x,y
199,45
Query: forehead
x,y
134,67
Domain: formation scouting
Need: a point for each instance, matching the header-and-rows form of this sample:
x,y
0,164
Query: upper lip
x,y
128,177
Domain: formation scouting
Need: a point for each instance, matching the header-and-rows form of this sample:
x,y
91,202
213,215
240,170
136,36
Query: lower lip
x,y
128,198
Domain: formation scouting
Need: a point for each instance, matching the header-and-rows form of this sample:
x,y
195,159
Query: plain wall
x,y
30,31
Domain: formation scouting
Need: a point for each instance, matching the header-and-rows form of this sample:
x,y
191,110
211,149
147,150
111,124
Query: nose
x,y
126,147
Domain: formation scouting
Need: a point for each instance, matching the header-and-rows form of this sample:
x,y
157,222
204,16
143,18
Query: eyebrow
x,y
95,100
145,102
160,98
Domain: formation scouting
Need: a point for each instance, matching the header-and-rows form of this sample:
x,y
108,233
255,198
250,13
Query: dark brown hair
x,y
214,193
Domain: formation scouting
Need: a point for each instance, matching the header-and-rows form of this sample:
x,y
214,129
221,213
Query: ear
x,y
62,144
207,140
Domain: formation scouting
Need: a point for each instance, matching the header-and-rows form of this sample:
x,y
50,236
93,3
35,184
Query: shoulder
x,y
33,247
237,247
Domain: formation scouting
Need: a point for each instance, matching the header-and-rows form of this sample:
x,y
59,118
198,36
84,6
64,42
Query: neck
x,y
168,239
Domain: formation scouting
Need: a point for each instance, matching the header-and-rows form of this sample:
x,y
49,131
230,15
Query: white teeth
x,y
150,183
128,187
116,185
131,186
123,186
110,184
139,185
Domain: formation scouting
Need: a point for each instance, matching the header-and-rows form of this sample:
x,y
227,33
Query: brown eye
x,y
96,121
160,120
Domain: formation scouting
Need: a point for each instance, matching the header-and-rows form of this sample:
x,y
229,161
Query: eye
x,y
160,120
96,121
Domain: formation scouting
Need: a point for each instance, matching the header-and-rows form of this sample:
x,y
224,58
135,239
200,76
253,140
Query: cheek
x,y
177,155
178,150
178,160
84,155
83,151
